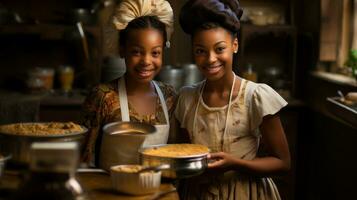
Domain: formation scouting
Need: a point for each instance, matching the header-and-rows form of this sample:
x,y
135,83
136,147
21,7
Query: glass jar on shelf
x,y
250,74
66,78
40,79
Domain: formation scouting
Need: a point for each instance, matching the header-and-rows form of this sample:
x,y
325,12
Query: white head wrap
x,y
131,9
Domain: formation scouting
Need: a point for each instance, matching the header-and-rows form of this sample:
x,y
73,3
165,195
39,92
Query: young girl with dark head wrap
x,y
145,27
227,113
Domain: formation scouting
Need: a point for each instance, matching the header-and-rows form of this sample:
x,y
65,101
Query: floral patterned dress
x,y
206,125
102,106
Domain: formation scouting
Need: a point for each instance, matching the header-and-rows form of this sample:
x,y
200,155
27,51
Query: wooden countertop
x,y
94,185
98,186
347,113
320,97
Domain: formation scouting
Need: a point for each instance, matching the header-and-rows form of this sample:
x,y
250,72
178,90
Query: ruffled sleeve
x,y
185,104
265,101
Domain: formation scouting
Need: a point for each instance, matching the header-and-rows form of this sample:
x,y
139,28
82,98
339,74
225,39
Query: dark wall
x,y
307,19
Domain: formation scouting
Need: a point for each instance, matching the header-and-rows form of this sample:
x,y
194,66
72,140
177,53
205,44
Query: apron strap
x,y
228,109
123,99
163,102
196,109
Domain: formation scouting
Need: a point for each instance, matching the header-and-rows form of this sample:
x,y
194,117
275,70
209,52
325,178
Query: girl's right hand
x,y
220,160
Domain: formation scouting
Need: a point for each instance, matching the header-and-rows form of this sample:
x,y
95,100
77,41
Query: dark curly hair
x,y
206,14
141,23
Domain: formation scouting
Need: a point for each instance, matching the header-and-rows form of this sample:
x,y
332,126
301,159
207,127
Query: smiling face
x,y
143,54
213,52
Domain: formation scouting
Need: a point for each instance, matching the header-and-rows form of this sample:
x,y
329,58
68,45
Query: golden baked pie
x,y
177,150
41,129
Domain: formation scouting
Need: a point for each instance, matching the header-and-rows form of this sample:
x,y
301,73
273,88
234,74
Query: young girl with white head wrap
x,y
145,27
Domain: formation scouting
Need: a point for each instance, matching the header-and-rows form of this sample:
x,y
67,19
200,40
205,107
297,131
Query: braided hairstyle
x,y
207,14
142,23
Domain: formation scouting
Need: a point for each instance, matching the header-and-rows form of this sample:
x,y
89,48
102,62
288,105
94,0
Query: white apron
x,y
213,140
113,152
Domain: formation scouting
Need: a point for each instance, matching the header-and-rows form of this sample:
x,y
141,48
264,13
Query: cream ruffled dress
x,y
246,111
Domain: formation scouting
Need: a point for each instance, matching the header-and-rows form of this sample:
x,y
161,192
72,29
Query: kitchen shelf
x,y
335,78
267,28
55,44
270,45
46,31
250,31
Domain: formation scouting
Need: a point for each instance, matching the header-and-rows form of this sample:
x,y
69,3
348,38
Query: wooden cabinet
x,y
327,164
268,43
43,34
270,49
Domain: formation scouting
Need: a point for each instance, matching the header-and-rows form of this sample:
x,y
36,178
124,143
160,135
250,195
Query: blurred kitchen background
x,y
53,52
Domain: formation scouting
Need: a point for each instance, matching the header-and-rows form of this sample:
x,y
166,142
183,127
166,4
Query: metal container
x,y
192,74
19,145
171,75
137,129
180,167
113,67
121,142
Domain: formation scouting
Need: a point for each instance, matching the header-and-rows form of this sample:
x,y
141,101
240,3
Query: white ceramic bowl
x,y
131,182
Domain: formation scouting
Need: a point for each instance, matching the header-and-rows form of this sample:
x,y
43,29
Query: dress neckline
x,y
201,101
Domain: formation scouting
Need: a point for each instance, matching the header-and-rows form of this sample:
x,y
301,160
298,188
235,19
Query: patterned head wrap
x,y
131,9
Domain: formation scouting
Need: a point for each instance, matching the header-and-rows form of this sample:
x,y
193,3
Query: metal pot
x,y
113,67
180,167
121,142
171,75
191,74
19,145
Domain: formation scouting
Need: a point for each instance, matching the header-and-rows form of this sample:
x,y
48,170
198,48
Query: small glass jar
x,y
66,77
249,74
41,79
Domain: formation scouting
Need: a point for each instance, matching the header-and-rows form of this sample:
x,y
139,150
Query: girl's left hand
x,y
220,160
